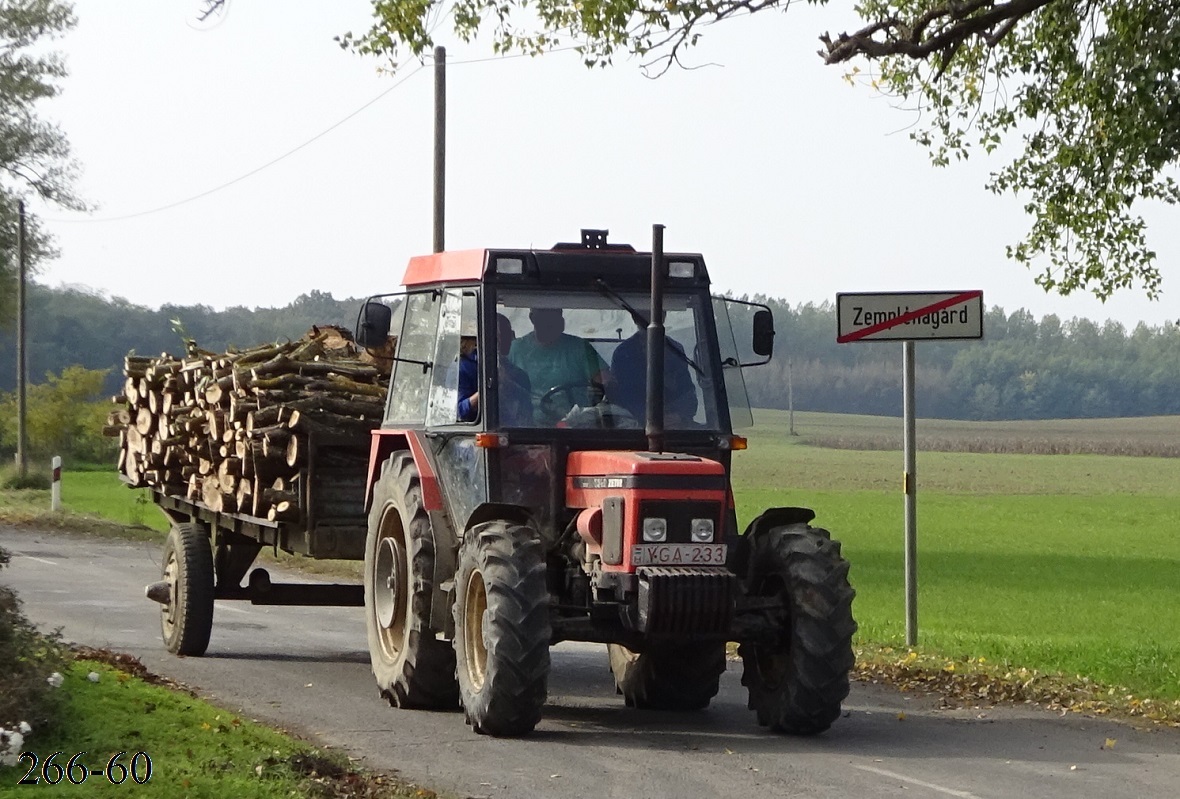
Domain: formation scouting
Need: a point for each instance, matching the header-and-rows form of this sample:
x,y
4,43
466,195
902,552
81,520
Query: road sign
x,y
908,316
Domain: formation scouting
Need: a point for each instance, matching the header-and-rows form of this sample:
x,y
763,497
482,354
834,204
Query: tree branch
x,y
963,19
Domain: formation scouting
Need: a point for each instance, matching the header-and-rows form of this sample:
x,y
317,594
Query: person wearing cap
x,y
468,379
516,406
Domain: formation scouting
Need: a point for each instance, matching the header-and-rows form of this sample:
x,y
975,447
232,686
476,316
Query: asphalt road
x,y
307,670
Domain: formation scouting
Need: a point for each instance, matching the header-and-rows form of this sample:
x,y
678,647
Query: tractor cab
x,y
552,346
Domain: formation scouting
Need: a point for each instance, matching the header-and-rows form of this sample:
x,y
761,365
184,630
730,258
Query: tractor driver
x,y
562,369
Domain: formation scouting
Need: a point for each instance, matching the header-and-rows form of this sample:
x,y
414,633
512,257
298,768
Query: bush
x,y
65,416
10,478
27,659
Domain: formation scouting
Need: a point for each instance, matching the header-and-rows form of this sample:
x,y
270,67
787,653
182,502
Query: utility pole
x,y
22,433
791,399
440,145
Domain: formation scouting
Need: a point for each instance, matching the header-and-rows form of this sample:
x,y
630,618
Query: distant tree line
x,y
1022,369
69,326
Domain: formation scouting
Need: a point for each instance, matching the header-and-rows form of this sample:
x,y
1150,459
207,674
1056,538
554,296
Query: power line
x,y
292,151
254,171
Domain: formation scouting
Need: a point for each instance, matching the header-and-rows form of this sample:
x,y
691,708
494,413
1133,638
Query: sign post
x,y
909,317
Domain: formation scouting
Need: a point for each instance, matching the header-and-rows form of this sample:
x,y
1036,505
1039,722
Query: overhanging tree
x,y
1089,90
34,154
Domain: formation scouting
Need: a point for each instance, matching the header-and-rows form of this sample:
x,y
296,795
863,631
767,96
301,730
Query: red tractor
x,y
554,465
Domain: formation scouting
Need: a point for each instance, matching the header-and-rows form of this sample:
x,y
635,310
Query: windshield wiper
x,y
642,321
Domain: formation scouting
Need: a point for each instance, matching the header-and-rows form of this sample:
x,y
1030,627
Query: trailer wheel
x,y
502,629
797,683
186,619
413,669
668,677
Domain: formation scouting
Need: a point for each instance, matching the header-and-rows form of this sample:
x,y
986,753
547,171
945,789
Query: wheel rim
x,y
475,652
772,662
168,610
389,588
771,667
621,657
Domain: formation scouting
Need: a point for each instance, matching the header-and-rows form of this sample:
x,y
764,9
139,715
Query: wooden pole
x,y
440,145
791,399
22,433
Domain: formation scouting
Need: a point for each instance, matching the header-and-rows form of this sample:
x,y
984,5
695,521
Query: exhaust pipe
x,y
654,427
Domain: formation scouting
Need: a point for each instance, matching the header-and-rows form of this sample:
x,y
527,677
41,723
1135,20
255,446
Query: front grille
x,y
685,600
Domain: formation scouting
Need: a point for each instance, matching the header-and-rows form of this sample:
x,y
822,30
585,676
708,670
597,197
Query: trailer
x,y
209,553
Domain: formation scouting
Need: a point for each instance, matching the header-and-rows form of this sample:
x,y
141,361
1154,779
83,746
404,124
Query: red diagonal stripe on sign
x,y
901,320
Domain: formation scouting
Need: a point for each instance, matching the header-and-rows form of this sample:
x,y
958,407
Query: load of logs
x,y
231,430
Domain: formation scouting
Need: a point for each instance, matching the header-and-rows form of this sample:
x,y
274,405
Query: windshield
x,y
581,359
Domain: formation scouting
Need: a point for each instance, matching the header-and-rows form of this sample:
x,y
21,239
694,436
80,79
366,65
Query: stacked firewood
x,y
231,430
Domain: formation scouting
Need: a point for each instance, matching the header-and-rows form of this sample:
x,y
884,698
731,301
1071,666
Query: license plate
x,y
678,555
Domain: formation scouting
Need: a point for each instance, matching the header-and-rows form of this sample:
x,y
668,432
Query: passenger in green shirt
x,y
553,359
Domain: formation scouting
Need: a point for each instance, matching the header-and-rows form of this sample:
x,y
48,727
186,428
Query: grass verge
x,y
979,683
93,502
109,705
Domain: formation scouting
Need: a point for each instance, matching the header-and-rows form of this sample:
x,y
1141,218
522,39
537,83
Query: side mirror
x,y
763,343
372,329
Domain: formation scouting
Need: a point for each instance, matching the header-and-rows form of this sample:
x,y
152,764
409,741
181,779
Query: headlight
x,y
655,529
702,531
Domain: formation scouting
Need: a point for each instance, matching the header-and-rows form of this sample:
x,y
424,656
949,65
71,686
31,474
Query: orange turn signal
x,y
491,440
737,442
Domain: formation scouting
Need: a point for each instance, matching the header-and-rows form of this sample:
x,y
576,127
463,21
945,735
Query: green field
x,y
102,494
93,501
1061,563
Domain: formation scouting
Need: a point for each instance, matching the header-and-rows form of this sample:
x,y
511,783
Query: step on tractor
x,y
555,465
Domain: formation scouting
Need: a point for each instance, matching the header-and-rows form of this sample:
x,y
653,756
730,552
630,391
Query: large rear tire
x,y
668,676
186,620
502,629
796,684
413,668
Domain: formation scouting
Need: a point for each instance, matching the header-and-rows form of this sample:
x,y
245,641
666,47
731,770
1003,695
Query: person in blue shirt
x,y
514,389
629,367
468,379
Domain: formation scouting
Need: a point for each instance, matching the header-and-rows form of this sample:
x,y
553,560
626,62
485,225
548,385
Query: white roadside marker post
x,y
55,490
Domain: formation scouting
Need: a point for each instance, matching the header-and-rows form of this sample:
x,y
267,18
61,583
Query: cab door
x,y
461,466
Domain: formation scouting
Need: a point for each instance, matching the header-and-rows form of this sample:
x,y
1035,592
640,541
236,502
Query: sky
x,y
793,183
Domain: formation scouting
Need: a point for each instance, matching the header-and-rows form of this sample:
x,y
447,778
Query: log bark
x,y
232,429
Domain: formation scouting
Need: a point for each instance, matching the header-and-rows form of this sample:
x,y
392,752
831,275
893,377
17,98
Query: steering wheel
x,y
596,392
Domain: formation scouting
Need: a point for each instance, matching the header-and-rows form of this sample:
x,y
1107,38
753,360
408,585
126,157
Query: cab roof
x,y
564,264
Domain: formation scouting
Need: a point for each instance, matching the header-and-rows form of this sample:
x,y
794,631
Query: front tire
x,y
668,676
413,669
186,620
502,629
797,683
